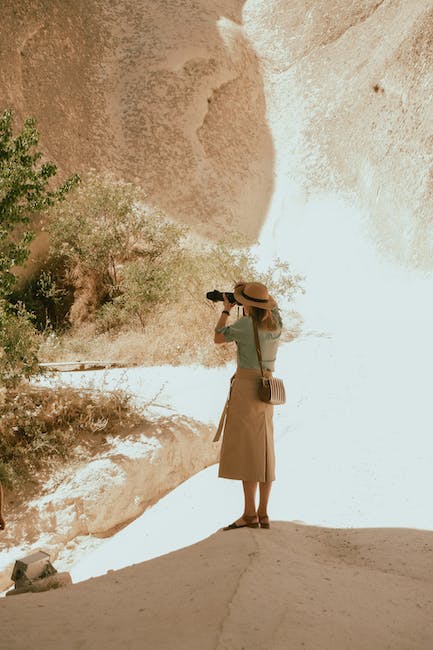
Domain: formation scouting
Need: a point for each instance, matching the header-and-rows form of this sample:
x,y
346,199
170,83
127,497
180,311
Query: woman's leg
x,y
265,490
250,489
250,515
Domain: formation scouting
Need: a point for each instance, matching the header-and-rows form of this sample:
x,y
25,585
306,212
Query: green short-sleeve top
x,y
242,332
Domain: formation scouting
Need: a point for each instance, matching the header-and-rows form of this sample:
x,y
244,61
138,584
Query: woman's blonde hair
x,y
265,318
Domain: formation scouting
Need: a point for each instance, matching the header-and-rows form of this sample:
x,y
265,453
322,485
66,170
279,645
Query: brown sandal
x,y
250,523
264,521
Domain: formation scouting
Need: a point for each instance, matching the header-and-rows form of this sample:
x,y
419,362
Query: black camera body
x,y
217,296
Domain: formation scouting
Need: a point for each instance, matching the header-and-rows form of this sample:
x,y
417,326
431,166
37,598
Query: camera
x,y
217,296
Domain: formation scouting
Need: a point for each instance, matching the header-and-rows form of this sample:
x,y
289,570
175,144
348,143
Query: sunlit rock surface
x,y
167,94
348,91
217,106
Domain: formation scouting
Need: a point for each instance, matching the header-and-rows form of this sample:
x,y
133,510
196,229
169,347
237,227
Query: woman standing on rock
x,y
247,451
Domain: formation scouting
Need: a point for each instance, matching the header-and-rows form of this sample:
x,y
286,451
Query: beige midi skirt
x,y
247,450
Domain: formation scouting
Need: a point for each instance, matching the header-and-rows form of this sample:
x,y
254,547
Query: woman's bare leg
x,y
250,513
265,490
250,489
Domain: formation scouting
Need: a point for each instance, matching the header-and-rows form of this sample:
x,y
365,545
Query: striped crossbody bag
x,y
271,389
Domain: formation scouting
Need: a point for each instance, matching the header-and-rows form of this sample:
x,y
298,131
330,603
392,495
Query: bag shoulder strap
x,y
258,350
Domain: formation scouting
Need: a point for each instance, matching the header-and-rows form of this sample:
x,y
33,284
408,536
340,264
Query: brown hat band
x,y
254,299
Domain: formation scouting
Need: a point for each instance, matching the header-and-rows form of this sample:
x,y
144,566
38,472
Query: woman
x,y
247,451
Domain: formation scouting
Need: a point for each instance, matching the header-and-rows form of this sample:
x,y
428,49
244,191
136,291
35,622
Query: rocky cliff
x,y
216,107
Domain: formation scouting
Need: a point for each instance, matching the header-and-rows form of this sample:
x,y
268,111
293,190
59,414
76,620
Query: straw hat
x,y
254,294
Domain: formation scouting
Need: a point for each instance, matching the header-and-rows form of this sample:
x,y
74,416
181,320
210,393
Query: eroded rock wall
x,y
349,94
167,94
210,105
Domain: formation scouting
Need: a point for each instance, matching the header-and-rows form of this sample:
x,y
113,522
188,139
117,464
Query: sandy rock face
x,y
348,88
168,95
213,107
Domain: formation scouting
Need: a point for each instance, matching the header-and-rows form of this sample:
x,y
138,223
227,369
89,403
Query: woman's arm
x,y
219,336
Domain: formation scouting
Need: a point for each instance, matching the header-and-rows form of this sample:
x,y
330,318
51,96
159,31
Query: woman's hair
x,y
265,318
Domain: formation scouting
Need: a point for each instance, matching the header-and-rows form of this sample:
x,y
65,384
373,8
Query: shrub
x,y
113,247
24,191
223,264
143,285
48,295
180,330
132,270
41,426
19,345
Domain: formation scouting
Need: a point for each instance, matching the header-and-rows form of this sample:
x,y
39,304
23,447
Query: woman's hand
x,y
227,304
222,321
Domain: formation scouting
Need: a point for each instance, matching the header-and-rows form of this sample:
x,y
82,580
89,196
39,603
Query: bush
x,y
19,345
126,259
180,330
112,248
24,191
48,296
132,270
223,264
41,426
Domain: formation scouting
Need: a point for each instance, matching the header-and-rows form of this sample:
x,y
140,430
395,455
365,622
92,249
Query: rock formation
x,y
291,587
212,106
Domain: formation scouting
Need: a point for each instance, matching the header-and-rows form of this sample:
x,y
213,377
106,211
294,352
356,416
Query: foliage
x,y
48,295
223,264
143,285
19,345
281,281
24,191
127,268
178,330
103,226
39,426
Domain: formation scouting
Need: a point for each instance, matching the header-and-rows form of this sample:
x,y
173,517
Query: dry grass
x,y
41,426
175,335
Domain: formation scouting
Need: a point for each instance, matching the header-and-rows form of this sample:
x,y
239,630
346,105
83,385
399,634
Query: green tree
x,y
18,345
24,191
119,253
117,266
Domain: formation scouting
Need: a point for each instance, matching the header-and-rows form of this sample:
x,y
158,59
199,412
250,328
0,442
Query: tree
x,y
19,344
24,192
118,251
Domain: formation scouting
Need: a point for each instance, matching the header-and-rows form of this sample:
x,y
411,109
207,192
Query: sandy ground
x,y
291,587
